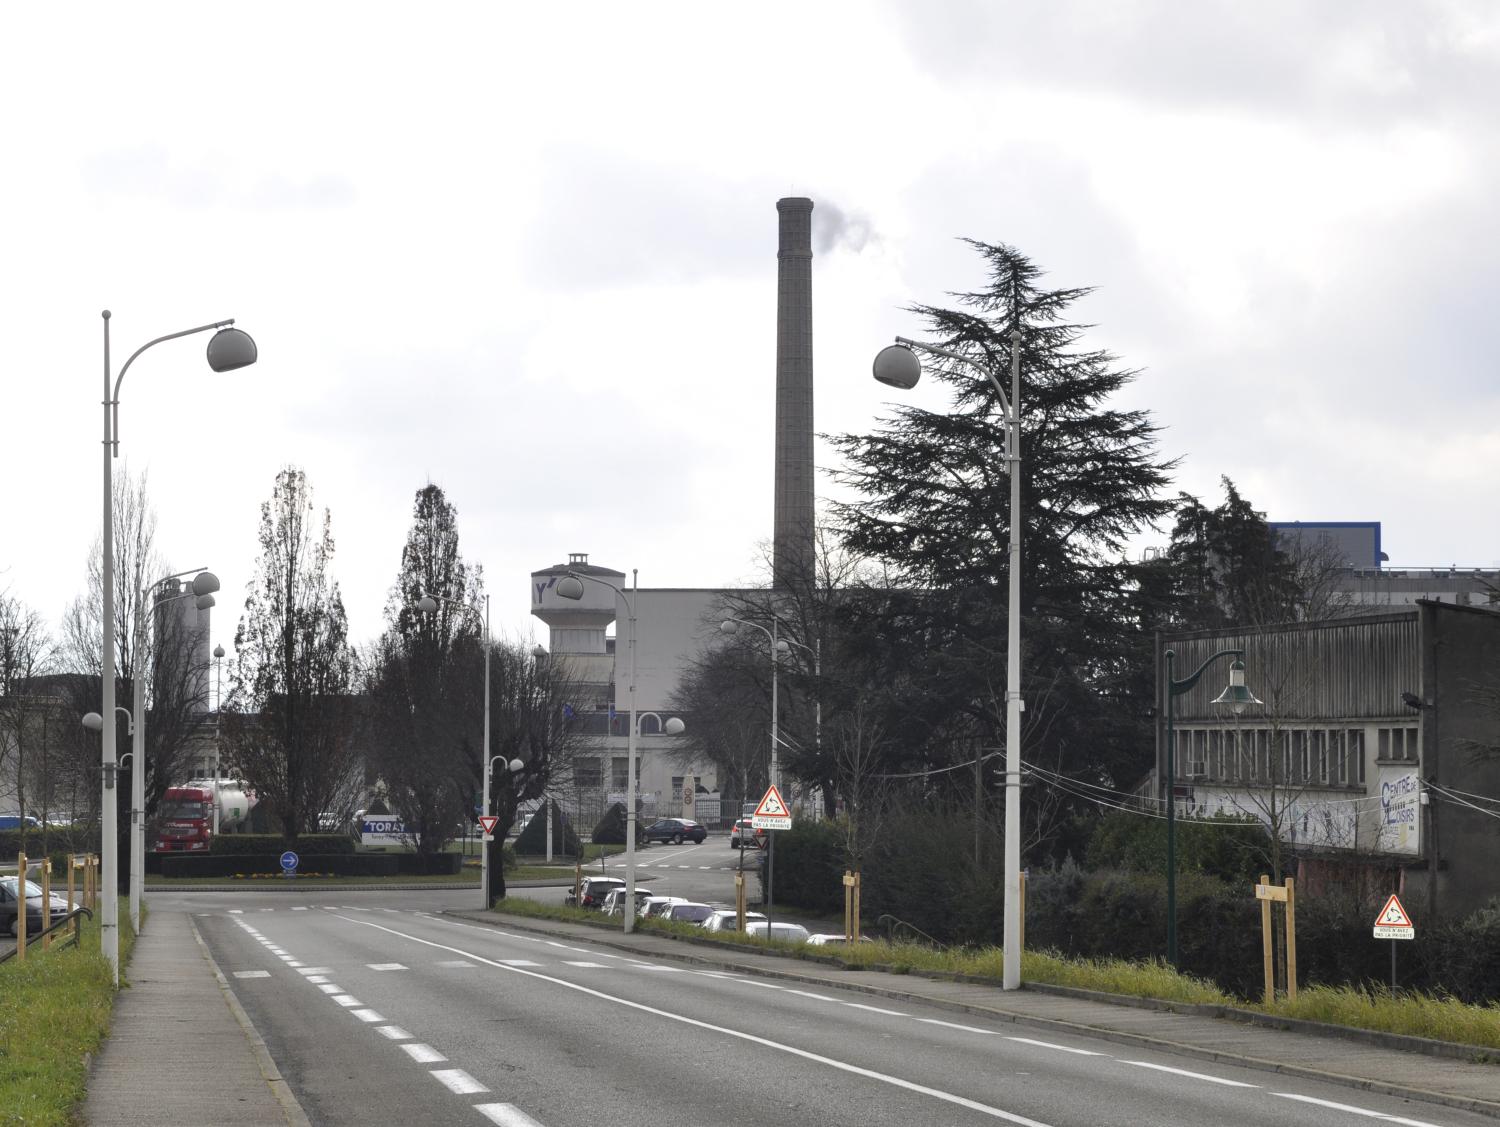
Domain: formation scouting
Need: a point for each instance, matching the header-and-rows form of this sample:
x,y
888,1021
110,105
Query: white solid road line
x,y
875,1009
457,1081
810,994
423,1054
506,1115
1191,1075
955,1025
804,1054
1060,1048
1356,1110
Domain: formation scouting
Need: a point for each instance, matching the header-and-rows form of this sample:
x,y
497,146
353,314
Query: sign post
x,y
771,814
1393,923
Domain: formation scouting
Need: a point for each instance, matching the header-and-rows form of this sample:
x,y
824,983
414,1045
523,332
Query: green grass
x,y
1411,1014
54,1009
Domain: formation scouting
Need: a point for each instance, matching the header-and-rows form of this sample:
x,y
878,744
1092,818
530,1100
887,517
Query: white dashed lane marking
x,y
367,1015
385,966
955,1025
246,973
1191,1075
519,963
457,1081
423,1054
348,1001
394,1032
1050,1045
506,1115
875,1009
582,963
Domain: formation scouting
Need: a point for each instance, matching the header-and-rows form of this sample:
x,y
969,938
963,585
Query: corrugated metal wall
x,y
1326,671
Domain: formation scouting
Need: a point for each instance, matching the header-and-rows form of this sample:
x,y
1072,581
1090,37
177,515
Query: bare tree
x,y
26,653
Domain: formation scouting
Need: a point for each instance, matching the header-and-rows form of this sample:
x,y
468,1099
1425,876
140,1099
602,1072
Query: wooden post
x,y
739,900
578,877
1291,939
1265,935
848,902
21,907
854,937
72,864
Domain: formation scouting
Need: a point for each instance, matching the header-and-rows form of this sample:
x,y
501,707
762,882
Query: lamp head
x,y
783,646
897,366
1411,700
569,587
515,765
229,349
203,602
205,583
1237,696
673,726
427,604
729,626
93,721
218,651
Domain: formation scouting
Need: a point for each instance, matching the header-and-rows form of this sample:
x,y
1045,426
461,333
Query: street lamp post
x,y
218,732
571,587
228,349
1237,696
428,604
897,365
205,583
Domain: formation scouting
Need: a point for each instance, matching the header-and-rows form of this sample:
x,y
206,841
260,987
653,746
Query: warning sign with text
x,y
772,813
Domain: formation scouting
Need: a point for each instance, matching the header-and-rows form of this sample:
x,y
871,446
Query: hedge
x,y
321,844
337,864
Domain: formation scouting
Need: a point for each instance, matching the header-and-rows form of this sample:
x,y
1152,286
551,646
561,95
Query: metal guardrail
x,y
63,921
898,930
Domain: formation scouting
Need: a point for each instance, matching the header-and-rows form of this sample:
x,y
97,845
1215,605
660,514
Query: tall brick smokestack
x,y
792,546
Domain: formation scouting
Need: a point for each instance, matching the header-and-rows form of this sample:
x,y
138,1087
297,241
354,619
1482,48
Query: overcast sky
x,y
527,252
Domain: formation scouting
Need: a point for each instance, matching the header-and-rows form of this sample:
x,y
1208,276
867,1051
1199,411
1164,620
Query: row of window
x,y
1291,756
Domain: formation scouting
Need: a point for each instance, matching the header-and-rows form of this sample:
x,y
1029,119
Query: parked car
x,y
592,890
614,900
688,912
9,906
725,919
791,933
675,830
658,905
13,822
746,835
824,940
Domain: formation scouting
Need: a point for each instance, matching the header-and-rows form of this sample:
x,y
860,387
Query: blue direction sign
x,y
289,862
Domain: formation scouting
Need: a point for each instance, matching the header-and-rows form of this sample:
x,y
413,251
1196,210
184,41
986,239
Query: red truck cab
x,y
184,821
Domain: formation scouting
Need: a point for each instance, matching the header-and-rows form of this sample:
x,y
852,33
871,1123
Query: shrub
x,y
248,864
235,844
610,829
1230,852
809,866
533,839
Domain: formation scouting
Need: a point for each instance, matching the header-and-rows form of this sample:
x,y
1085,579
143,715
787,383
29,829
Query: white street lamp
x,y
228,349
571,587
204,584
897,366
428,604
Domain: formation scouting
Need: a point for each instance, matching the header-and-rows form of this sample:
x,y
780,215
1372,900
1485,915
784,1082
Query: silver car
x,y
725,919
789,933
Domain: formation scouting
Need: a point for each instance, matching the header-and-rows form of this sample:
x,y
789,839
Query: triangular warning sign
x,y
488,822
771,805
1393,914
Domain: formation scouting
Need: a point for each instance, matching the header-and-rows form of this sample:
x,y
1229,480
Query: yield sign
x,y
488,822
772,813
1393,922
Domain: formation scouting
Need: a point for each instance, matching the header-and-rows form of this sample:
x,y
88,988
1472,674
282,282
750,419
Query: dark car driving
x,y
675,830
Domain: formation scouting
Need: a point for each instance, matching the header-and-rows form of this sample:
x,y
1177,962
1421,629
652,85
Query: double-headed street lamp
x,y
204,584
897,365
570,587
228,349
428,604
1236,696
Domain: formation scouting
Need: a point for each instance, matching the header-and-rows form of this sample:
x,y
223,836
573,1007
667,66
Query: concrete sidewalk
x,y
180,1051
1449,1075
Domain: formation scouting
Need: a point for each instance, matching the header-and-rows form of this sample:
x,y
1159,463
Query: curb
x,y
295,1116
1482,1107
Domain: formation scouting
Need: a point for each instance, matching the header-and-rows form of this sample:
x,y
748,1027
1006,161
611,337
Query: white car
x,y
658,905
725,919
826,939
614,900
789,933
688,912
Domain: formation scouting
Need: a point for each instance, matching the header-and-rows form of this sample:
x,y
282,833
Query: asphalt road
x,y
376,1009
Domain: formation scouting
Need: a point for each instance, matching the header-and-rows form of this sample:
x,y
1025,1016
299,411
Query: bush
x,y
434,864
60,841
250,864
533,839
610,829
809,866
238,844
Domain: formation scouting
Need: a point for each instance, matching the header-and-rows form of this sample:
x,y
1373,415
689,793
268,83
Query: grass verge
x,y
54,1010
1407,1014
